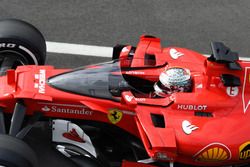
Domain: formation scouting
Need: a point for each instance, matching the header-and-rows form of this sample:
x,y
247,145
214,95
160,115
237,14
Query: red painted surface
x,y
185,138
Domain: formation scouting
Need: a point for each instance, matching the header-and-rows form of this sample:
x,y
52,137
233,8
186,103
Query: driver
x,y
174,79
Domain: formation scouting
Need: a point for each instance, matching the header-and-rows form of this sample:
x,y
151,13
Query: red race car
x,y
149,106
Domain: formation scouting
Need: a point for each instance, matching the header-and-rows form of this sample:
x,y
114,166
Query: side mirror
x,y
128,99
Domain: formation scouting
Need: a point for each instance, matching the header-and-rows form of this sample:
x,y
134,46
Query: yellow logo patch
x,y
214,152
114,115
244,151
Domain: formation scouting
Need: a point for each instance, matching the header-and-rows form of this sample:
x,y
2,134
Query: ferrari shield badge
x,y
114,116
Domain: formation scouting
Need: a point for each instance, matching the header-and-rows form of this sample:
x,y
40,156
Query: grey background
x,y
185,23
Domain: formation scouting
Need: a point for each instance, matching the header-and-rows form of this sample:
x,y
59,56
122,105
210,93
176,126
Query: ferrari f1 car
x,y
103,114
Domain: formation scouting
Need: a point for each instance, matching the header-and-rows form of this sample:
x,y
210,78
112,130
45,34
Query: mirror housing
x,y
128,98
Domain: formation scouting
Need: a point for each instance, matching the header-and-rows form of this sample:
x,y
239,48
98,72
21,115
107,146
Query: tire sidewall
x,y
20,47
23,38
16,153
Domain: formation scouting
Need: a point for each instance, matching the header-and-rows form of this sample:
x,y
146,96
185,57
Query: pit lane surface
x,y
185,23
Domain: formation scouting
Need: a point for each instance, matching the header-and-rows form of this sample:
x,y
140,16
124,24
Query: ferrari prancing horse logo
x,y
114,115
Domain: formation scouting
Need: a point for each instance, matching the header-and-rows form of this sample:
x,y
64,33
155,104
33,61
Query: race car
x,y
110,114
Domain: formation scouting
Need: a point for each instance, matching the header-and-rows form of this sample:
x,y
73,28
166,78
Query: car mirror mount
x,y
128,98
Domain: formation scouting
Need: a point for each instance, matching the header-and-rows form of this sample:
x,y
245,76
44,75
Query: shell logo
x,y
214,152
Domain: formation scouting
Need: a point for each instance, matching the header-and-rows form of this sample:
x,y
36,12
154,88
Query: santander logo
x,y
175,54
187,127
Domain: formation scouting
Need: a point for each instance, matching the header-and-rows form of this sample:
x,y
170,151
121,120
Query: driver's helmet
x,y
174,79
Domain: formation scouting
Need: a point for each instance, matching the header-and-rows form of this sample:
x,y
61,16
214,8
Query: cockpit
x,y
107,80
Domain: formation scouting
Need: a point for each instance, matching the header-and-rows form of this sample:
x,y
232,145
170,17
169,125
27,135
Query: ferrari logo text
x,y
114,116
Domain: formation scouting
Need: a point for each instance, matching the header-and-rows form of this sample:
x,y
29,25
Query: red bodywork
x,y
208,126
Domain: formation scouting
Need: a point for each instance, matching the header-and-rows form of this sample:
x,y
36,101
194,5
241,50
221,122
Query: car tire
x,y
22,40
16,153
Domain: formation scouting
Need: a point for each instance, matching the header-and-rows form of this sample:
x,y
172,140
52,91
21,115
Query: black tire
x,y
23,40
16,153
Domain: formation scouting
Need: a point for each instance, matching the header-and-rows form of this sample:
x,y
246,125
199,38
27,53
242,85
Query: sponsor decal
x,y
128,113
175,54
135,72
244,151
114,115
45,108
7,45
187,127
129,98
232,91
214,152
191,107
74,135
246,90
61,109
140,99
40,84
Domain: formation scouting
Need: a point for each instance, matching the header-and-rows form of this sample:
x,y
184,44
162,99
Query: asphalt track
x,y
185,23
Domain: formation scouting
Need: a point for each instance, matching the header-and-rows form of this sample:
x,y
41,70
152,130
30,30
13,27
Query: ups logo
x,y
244,151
